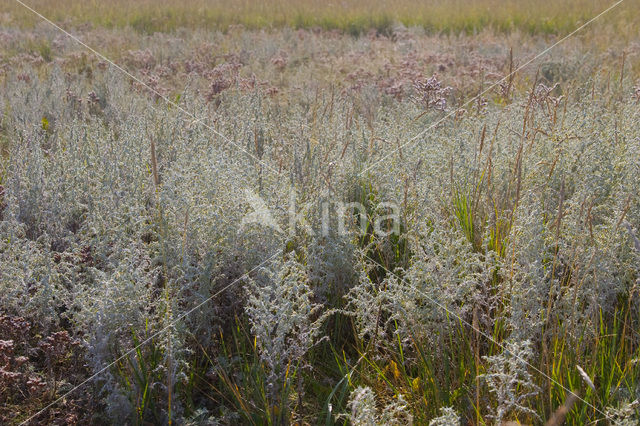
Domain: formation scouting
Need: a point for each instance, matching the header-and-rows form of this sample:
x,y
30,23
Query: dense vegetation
x,y
351,16
130,263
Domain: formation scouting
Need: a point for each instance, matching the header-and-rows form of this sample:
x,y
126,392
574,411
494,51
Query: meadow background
x,y
510,293
351,16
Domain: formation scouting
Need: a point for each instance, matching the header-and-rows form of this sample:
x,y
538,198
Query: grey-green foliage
x,y
625,415
449,417
284,320
444,281
509,380
365,413
446,277
31,283
364,304
88,237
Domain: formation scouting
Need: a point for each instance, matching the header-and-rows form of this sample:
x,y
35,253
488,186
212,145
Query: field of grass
x,y
293,213
352,16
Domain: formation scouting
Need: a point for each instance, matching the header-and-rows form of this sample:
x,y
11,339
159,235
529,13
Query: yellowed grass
x,y
354,16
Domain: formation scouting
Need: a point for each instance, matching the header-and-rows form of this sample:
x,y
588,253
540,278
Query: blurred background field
x,y
352,16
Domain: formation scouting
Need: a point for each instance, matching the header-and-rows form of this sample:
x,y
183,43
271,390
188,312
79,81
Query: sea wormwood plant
x,y
364,412
510,382
448,417
548,185
625,415
286,323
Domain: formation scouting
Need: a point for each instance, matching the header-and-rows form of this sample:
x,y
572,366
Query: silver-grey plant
x,y
510,382
284,319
